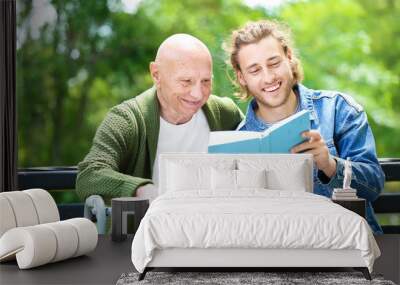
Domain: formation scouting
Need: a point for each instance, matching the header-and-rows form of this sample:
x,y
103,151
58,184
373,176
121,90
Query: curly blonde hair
x,y
253,32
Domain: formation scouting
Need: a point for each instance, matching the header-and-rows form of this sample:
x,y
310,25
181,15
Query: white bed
x,y
220,211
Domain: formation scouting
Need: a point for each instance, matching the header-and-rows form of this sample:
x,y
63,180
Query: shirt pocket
x,y
331,147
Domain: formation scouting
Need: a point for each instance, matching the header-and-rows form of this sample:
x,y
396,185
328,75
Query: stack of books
x,y
344,194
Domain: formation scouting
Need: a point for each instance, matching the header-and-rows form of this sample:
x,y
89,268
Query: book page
x,y
223,137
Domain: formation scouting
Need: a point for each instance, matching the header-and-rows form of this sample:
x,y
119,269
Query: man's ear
x,y
240,78
289,54
155,73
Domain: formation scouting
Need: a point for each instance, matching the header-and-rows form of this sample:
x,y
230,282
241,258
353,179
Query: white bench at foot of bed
x,y
253,258
237,257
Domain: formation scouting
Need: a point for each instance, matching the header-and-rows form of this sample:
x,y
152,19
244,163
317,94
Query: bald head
x,y
180,47
182,74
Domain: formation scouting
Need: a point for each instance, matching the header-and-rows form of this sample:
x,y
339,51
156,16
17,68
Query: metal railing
x,y
53,178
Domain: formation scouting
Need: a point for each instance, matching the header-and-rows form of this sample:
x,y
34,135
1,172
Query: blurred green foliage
x,y
76,59
65,196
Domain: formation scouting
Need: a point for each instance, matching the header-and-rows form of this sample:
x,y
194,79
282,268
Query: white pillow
x,y
280,180
228,179
282,174
251,178
223,179
182,177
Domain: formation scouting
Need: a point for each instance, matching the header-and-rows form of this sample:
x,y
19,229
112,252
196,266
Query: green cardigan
x,y
124,148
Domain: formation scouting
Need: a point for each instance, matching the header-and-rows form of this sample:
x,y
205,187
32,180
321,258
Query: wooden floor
x,y
110,259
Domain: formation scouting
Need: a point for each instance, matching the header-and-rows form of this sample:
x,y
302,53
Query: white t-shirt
x,y
188,137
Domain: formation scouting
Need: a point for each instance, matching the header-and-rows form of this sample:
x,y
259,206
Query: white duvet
x,y
250,219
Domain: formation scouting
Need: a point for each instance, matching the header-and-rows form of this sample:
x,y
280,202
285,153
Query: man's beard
x,y
285,91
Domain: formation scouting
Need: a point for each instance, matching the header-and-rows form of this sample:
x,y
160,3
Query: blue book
x,y
280,138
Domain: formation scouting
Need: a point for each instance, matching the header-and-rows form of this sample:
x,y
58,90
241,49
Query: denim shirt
x,y
344,127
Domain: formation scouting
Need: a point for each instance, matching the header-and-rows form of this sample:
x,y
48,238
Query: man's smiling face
x,y
266,72
187,85
183,77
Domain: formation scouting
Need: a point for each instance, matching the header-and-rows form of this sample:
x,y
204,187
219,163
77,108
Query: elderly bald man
x,y
175,115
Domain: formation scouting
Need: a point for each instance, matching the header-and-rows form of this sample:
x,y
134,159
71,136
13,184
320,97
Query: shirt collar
x,y
306,100
252,121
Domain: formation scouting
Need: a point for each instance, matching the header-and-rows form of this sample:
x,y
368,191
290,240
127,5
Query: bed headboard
x,y
285,171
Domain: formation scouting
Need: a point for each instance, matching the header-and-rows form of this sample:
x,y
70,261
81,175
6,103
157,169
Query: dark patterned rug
x,y
229,278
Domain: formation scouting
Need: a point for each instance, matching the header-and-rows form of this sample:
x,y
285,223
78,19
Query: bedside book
x,y
279,138
344,194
